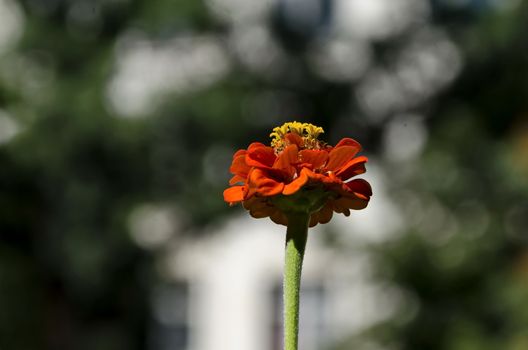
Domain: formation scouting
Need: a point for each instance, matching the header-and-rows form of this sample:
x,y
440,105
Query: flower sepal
x,y
307,200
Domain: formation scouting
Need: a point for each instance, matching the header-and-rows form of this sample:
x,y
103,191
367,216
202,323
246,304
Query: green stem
x,y
296,236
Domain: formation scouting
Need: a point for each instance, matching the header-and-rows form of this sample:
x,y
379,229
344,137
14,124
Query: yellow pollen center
x,y
308,132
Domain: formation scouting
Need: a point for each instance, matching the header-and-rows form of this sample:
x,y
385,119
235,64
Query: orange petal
x,y
314,219
349,142
258,207
260,157
339,156
296,184
316,158
353,203
254,202
278,217
237,179
360,188
325,179
294,139
255,145
339,206
261,212
322,216
354,167
286,159
260,183
239,166
332,177
235,194
240,152
325,214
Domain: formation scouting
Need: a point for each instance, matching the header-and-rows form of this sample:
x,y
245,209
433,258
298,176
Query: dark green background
x,y
72,278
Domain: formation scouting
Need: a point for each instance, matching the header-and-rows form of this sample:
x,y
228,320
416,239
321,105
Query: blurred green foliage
x,y
71,277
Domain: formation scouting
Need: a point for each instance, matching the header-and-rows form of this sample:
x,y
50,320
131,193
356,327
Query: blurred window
x,y
170,317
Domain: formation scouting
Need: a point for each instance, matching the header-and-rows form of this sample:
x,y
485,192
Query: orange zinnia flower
x,y
298,173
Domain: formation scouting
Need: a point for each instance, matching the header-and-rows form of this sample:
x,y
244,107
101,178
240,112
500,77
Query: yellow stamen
x,y
307,131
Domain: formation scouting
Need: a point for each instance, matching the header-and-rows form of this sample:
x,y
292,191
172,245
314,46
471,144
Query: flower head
x,y
298,173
